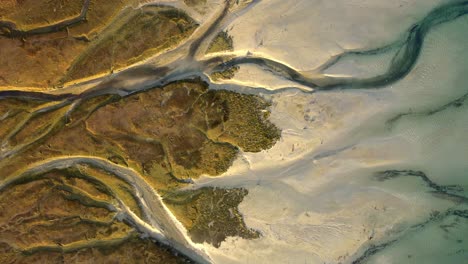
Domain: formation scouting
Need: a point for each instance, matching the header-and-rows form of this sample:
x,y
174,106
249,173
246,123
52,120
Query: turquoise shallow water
x,y
416,136
434,123
441,241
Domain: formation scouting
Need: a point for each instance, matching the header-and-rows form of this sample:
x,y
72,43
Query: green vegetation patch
x,y
27,14
247,125
60,218
222,42
170,135
226,74
211,214
184,130
137,35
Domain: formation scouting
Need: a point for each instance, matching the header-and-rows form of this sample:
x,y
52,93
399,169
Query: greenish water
x,y
433,125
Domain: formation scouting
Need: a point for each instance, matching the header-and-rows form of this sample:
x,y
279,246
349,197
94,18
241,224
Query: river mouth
x,y
164,132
